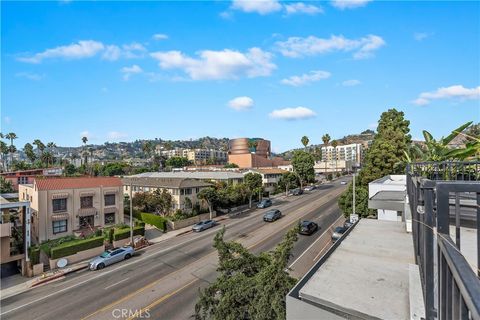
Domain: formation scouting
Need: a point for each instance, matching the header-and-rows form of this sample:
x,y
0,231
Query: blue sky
x,y
120,71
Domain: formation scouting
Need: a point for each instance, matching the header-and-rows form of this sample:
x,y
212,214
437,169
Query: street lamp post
x,y
131,214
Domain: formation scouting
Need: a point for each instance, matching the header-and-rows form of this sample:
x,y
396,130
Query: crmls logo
x,y
129,313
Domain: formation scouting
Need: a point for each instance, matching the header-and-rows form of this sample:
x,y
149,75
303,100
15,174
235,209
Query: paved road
x,y
165,279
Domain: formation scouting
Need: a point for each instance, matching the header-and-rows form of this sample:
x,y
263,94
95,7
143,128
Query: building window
x,y
188,191
59,205
182,192
110,218
59,226
109,199
86,202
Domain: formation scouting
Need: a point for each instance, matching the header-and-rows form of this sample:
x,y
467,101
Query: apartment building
x,y
179,188
27,176
68,206
177,152
270,177
202,156
349,152
229,177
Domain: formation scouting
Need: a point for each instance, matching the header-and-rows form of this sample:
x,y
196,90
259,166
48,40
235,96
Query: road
x,y
163,281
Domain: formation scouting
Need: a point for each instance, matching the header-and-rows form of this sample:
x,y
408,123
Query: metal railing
x,y
451,287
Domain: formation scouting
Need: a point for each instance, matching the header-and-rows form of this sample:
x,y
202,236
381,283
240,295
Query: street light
x,y
131,214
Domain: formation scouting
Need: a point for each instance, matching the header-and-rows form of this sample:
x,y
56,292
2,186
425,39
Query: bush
x,y
34,254
72,247
120,234
110,235
155,220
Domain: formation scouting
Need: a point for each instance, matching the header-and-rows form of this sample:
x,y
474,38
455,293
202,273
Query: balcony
x,y
5,229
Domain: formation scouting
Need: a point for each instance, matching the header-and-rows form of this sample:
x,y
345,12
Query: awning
x,y
87,194
60,216
60,195
110,210
388,200
87,211
110,192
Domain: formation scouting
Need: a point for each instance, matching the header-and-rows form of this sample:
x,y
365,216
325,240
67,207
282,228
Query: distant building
x,y
27,176
252,153
348,152
229,177
65,206
270,177
333,166
203,156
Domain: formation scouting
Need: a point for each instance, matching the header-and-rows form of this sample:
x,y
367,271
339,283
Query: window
x,y
59,226
197,190
188,191
86,202
109,199
110,218
59,205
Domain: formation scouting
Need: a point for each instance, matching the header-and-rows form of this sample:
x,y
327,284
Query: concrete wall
x,y
174,225
300,310
79,256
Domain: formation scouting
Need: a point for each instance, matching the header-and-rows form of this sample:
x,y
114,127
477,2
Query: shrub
x,y
98,232
34,254
120,234
72,247
110,235
155,220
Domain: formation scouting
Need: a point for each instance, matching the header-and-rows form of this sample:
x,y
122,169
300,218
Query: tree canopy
x,y
303,163
177,162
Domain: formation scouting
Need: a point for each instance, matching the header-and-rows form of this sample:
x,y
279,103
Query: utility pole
x,y
131,214
353,204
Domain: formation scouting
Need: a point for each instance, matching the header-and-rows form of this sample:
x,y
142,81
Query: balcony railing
x,y
451,287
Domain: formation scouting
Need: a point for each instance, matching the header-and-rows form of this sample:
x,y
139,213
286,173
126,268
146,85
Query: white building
x,y
333,166
201,156
349,152
270,177
388,195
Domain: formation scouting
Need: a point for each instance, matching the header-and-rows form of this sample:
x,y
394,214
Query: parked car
x,y
310,188
110,257
203,225
347,224
296,192
265,203
343,182
338,232
272,215
308,227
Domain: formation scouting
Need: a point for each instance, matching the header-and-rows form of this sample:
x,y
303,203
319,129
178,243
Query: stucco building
x,y
252,153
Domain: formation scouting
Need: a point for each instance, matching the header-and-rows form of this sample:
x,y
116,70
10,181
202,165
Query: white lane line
x,y
112,285
320,252
300,256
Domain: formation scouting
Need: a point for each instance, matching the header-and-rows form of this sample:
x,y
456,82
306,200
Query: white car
x,y
343,182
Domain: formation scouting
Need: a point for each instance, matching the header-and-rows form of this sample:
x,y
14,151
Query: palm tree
x,y
4,152
147,148
40,146
11,136
305,142
334,145
28,149
326,140
85,140
51,146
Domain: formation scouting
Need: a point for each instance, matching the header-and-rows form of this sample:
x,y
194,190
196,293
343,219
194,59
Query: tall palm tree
x,y
84,140
326,139
28,149
305,142
40,146
11,136
51,146
334,145
4,152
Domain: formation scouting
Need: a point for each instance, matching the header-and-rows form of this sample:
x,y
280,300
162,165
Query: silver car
x,y
110,257
203,225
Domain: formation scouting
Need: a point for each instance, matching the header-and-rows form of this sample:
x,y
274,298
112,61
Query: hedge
x,y
34,254
125,233
155,220
72,247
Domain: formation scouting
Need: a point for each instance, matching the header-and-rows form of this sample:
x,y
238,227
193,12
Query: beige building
x,y
201,156
349,152
65,206
179,188
270,177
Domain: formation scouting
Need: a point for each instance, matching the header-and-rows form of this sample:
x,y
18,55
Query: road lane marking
x,y
300,256
161,299
112,285
318,255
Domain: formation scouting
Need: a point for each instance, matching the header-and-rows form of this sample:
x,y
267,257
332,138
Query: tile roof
x,y
77,183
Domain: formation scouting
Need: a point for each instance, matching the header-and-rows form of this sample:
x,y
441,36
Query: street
x,y
163,281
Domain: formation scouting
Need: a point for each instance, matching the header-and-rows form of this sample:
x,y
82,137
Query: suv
x,y
272,215
308,227
265,203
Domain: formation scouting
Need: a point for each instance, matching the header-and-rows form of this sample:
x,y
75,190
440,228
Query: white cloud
x,y
419,36
115,135
241,103
160,36
79,50
128,71
258,6
296,47
300,7
457,92
30,76
225,64
112,53
351,83
349,4
298,113
305,78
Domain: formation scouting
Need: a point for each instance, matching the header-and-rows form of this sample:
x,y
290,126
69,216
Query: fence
x,y
451,288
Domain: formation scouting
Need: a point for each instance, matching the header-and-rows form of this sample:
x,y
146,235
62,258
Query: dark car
x,y
308,227
272,215
296,192
338,232
265,203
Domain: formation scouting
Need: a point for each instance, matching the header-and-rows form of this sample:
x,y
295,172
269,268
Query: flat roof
x,y
396,179
202,175
368,273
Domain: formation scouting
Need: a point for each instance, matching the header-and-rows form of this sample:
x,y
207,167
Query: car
x,y
343,182
296,192
265,203
338,232
272,215
347,224
110,257
204,225
310,188
308,227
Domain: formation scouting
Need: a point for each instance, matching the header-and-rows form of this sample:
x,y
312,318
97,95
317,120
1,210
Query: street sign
x,y
353,217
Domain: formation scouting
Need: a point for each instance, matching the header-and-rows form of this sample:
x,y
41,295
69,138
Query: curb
x,y
58,275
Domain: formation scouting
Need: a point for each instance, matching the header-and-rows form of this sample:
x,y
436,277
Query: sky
x,y
122,71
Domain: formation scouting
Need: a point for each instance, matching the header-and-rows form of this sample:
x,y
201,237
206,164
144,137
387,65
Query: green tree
x,y
252,145
303,163
230,165
210,197
6,185
147,148
11,136
326,139
28,149
388,147
335,145
85,154
4,152
177,162
288,181
305,141
253,182
70,170
249,286
40,146
345,201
